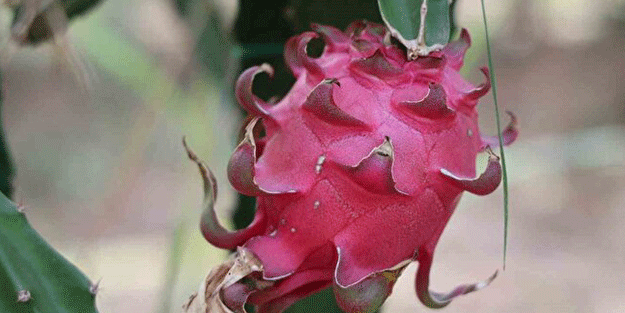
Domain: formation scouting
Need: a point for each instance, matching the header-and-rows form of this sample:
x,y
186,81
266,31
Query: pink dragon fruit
x,y
357,170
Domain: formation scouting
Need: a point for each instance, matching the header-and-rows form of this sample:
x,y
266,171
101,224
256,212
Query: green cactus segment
x,y
6,165
33,276
403,18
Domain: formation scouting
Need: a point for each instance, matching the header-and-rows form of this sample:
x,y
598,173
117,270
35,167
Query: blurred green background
x,y
95,125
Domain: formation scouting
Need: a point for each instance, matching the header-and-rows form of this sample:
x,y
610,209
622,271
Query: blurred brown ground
x,y
103,174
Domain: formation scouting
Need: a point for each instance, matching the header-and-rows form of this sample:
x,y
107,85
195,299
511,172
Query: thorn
x,y
94,288
21,208
23,296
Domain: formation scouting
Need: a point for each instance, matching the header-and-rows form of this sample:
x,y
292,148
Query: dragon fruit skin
x,y
360,167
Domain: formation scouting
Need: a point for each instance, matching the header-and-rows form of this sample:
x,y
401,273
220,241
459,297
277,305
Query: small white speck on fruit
x,y
23,296
273,233
469,133
316,204
386,148
319,164
282,221
293,229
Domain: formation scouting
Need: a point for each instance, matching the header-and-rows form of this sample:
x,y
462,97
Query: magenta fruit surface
x,y
359,170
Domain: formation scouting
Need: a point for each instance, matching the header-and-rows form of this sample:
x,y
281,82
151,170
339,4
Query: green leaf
x,y
404,20
403,16
501,150
6,165
437,23
29,267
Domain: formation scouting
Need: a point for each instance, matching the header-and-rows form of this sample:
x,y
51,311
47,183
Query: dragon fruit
x,y
356,171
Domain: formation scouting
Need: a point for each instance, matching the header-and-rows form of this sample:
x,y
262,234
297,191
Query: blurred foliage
x,y
331,12
213,46
40,28
182,6
213,43
34,277
6,164
74,8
